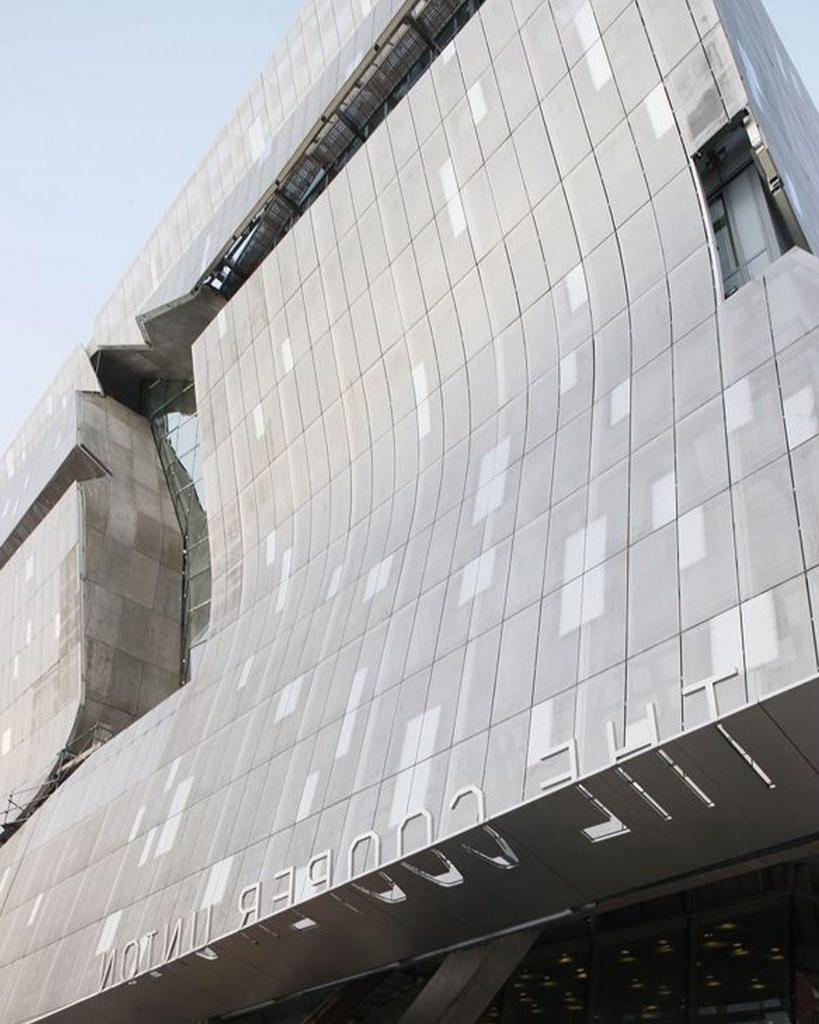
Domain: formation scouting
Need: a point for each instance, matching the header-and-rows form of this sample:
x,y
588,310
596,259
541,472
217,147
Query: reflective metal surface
x,y
511,520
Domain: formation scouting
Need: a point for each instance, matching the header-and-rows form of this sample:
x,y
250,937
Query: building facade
x,y
408,597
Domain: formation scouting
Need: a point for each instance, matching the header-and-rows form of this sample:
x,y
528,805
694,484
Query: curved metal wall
x,y
492,474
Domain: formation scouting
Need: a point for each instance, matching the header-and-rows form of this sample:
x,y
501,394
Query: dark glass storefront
x,y
752,961
727,969
741,951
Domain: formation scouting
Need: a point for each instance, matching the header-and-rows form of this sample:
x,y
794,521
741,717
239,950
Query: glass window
x,y
552,985
749,232
643,979
728,259
806,978
740,969
171,409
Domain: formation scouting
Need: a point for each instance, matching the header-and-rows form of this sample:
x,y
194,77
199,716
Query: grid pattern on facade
x,y
396,66
500,489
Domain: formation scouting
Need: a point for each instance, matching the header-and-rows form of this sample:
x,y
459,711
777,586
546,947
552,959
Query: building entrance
x,y
741,951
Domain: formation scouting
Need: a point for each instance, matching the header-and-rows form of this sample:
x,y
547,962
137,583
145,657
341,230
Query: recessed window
x,y
749,231
170,406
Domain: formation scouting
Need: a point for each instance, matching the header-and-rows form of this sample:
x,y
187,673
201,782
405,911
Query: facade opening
x,y
749,229
170,406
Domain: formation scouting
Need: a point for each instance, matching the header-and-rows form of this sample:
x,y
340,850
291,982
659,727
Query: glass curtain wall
x,y
734,966
742,951
170,406
748,230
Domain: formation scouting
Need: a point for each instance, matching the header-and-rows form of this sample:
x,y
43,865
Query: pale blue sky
x,y
107,107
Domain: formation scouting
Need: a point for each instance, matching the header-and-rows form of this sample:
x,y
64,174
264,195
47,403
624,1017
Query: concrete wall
x,y
91,583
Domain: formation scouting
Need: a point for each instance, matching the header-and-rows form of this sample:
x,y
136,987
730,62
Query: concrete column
x,y
336,1009
467,981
